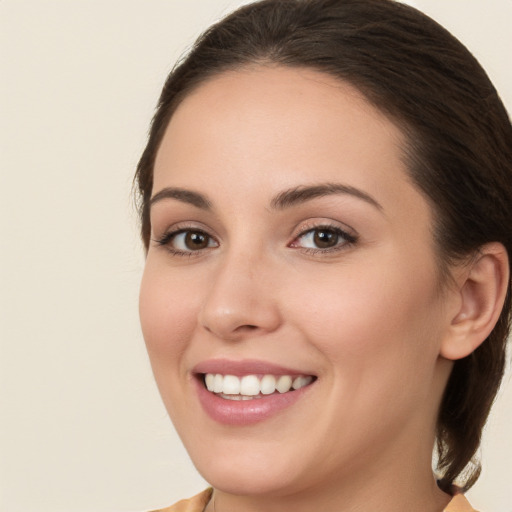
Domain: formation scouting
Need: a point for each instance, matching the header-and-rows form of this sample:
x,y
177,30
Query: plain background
x,y
82,427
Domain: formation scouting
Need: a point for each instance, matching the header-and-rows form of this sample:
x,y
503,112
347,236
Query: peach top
x,y
198,503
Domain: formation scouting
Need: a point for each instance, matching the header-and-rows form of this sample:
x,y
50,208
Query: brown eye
x,y
196,240
188,240
324,238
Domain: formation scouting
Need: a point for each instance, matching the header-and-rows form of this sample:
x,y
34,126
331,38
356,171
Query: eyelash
x,y
167,238
348,240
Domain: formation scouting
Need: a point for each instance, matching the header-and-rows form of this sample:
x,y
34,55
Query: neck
x,y
428,498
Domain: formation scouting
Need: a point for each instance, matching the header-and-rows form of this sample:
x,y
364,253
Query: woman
x,y
325,200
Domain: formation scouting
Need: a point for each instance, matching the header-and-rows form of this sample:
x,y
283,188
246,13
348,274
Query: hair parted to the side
x,y
459,151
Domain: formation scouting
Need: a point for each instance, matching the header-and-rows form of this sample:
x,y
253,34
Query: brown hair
x,y
459,151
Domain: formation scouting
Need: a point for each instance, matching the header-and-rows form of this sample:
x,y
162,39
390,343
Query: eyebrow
x,y
301,194
180,194
281,201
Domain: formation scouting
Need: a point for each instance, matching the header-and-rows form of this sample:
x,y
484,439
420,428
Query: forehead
x,y
281,127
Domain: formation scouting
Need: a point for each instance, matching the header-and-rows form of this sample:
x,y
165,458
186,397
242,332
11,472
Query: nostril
x,y
243,328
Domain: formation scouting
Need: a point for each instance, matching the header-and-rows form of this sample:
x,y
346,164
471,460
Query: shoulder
x,y
459,504
195,504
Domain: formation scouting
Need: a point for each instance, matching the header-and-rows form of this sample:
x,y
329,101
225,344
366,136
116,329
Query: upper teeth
x,y
252,385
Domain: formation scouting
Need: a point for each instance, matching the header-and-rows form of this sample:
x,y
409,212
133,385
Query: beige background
x,y
82,427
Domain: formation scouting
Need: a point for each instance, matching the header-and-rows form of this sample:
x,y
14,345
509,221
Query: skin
x,y
370,319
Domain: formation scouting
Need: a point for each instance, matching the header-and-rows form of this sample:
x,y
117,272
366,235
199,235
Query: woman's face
x,y
290,247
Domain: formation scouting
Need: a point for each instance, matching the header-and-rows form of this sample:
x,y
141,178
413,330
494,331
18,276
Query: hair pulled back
x,y
459,150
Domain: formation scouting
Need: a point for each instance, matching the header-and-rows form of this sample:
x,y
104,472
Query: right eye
x,y
186,241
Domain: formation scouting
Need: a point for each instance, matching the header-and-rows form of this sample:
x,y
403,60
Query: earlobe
x,y
482,290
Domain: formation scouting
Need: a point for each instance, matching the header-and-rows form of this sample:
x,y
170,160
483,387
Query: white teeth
x,y
218,382
231,385
237,397
209,378
300,382
268,385
284,383
250,386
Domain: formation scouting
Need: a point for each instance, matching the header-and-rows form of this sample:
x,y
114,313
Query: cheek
x,y
167,309
370,315
377,333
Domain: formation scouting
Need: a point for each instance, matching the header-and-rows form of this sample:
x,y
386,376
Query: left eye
x,y
322,238
190,240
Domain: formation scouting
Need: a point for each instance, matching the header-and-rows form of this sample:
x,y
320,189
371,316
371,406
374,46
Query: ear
x,y
481,291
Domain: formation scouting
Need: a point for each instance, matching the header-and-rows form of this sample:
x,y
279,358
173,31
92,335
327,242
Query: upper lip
x,y
245,367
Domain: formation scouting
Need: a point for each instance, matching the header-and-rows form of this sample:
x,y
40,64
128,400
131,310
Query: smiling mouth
x,y
250,387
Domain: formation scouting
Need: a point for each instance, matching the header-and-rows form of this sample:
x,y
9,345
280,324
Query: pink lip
x,y
245,412
244,367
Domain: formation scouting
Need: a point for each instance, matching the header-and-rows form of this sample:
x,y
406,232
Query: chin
x,y
252,481
264,472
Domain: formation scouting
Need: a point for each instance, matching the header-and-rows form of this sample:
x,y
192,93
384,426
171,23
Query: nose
x,y
241,301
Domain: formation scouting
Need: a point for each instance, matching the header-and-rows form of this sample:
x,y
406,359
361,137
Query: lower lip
x,y
246,412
